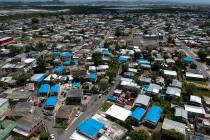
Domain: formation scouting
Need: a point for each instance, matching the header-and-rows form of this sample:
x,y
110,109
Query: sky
x,y
185,1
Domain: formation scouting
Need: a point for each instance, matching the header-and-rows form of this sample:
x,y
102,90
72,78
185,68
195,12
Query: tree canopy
x,y
139,135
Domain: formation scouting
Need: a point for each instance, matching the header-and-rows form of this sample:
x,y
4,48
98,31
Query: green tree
x,y
137,55
103,84
172,135
41,46
14,51
94,90
97,59
208,61
188,89
202,54
34,20
44,135
156,135
193,66
22,78
139,135
124,67
41,65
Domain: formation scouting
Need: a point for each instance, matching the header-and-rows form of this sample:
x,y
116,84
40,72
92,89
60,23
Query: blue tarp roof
x,y
55,53
112,98
76,84
67,62
122,59
67,54
90,128
50,102
154,114
44,88
59,69
143,61
75,60
138,113
106,52
55,88
92,76
187,59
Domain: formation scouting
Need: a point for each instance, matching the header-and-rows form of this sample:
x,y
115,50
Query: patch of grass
x,y
202,92
198,83
106,106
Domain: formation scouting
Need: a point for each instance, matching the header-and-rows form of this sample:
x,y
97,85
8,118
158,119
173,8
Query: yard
x,y
106,106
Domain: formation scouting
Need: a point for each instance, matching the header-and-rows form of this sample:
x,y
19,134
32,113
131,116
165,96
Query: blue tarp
x,y
90,128
56,53
55,88
154,114
92,76
138,113
59,69
76,84
67,54
50,102
67,62
143,61
75,60
105,52
44,88
112,98
122,59
187,59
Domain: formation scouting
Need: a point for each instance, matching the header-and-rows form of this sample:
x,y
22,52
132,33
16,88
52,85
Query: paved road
x,y
190,53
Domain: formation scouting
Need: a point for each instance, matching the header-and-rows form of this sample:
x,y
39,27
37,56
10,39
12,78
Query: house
x,y
44,89
181,115
74,97
153,89
4,106
127,83
195,100
194,111
203,125
173,91
153,116
55,90
21,109
190,75
144,79
63,114
92,76
118,112
138,114
28,125
177,126
91,128
50,102
6,128
21,94
206,103
38,77
170,73
142,101
176,83
113,130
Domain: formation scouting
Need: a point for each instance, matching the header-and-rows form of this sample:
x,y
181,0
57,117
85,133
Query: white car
x,y
77,114
52,136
